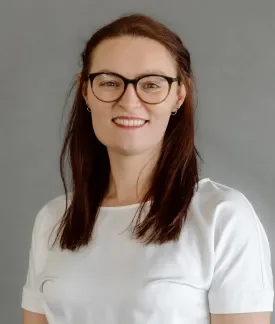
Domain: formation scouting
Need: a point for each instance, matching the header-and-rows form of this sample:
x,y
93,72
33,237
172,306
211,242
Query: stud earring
x,y
174,112
88,108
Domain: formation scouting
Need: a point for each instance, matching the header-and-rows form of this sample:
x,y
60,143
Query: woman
x,y
140,239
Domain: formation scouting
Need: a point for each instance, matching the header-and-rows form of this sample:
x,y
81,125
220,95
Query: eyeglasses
x,y
151,89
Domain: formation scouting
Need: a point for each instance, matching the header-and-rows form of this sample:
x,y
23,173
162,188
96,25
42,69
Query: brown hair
x,y
175,175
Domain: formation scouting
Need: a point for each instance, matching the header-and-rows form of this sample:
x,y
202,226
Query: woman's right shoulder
x,y
56,206
50,214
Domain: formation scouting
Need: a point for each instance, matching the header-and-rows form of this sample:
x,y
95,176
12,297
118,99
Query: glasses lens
x,y
153,89
108,87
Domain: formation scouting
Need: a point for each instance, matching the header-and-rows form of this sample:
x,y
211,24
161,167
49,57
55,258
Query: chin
x,y
129,151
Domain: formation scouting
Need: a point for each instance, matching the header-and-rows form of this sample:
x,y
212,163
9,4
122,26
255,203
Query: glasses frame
x,y
135,81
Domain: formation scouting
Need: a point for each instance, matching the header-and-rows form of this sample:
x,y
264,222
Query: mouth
x,y
129,122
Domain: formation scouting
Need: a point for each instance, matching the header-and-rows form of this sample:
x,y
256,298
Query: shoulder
x,y
221,203
225,214
56,206
229,219
49,215
212,191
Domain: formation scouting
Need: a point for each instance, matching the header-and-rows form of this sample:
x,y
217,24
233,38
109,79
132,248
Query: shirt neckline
x,y
132,206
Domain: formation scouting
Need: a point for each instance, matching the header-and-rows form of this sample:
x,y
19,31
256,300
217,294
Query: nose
x,y
130,97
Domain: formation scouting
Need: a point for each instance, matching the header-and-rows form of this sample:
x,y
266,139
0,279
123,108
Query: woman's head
x,y
149,107
134,47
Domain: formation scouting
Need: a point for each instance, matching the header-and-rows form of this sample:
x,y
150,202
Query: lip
x,y
130,118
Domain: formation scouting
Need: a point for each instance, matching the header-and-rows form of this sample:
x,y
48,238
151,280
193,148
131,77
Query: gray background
x,y
233,49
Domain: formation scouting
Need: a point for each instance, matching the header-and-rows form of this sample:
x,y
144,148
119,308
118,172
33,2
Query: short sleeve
x,y
242,281
31,296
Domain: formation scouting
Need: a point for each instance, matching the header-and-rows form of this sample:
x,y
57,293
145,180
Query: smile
x,y
129,122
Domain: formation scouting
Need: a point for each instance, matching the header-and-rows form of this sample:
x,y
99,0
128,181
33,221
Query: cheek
x,y
101,119
101,123
160,116
161,113
99,109
160,125
101,130
101,112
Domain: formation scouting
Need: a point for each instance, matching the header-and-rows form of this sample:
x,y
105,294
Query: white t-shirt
x,y
221,264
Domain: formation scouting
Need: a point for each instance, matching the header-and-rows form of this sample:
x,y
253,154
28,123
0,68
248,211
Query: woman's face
x,y
132,57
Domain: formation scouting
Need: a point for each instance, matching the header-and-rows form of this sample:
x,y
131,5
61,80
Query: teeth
x,y
129,122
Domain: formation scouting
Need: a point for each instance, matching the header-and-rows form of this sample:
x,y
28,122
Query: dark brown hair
x,y
175,175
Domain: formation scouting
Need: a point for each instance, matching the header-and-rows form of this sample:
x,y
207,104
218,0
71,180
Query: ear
x,y
84,86
181,95
78,78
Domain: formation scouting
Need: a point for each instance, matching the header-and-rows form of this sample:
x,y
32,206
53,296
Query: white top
x,y
221,264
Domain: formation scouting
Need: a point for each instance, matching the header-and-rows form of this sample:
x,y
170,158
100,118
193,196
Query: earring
x,y
174,112
88,108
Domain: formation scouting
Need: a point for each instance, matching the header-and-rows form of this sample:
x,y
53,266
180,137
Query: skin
x,y
132,152
33,318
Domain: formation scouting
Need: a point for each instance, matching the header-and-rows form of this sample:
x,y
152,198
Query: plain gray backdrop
x,y
232,44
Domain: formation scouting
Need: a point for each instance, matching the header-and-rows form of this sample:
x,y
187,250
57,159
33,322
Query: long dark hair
x,y
175,176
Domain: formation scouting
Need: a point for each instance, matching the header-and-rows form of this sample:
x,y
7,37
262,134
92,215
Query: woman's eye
x,y
151,86
109,84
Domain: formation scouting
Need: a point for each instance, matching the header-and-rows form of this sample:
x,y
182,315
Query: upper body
x,y
194,252
220,265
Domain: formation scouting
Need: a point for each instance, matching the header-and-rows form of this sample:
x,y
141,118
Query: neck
x,y
129,177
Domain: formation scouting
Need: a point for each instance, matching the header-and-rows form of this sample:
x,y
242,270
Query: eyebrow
x,y
147,72
155,72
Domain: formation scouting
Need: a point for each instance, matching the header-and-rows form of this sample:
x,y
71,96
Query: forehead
x,y
132,56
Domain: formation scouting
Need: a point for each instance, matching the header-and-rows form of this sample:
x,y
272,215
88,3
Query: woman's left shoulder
x,y
223,204
230,221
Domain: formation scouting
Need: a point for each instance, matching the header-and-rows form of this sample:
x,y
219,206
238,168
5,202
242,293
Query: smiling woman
x,y
140,238
133,93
